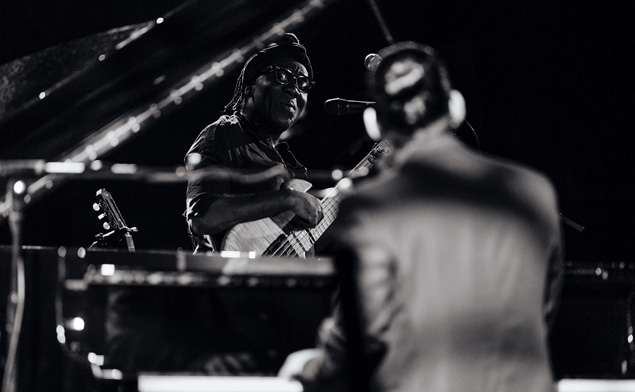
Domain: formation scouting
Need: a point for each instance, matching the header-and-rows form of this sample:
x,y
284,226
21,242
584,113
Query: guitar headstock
x,y
111,220
380,150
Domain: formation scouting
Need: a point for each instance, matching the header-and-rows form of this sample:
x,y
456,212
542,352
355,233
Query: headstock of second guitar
x,y
112,222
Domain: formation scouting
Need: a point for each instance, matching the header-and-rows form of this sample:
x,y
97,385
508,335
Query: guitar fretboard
x,y
305,239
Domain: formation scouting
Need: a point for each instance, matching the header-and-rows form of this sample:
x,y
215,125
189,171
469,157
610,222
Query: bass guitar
x,y
274,237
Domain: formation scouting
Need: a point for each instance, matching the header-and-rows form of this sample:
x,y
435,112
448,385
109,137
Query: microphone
x,y
339,106
372,60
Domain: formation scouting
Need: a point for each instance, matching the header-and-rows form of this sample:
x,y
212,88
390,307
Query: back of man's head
x,y
411,87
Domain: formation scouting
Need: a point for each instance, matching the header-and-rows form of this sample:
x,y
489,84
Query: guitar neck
x,y
330,206
299,242
331,202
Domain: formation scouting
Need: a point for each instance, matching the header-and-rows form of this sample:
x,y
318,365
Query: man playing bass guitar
x,y
270,95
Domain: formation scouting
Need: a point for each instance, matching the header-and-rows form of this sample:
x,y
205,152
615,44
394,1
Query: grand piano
x,y
102,317
269,306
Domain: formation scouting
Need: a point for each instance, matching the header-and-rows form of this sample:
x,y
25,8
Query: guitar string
x,y
287,245
305,237
299,238
302,240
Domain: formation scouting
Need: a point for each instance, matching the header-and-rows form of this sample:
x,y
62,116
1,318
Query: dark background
x,y
547,83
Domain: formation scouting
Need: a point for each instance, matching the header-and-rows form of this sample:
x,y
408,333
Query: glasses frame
x,y
275,68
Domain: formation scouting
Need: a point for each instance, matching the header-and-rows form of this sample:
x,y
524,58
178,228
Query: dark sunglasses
x,y
285,76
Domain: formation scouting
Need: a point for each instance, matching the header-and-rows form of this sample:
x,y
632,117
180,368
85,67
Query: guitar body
x,y
259,236
273,237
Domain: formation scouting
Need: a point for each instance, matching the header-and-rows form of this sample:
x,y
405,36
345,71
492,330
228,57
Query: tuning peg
x,y
96,207
106,226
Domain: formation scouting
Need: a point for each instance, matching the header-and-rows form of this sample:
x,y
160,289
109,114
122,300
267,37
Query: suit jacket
x,y
458,273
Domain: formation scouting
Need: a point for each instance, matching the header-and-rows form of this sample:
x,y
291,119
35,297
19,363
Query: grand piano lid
x,y
109,102
96,93
25,80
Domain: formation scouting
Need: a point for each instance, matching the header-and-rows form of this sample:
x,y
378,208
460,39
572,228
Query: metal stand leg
x,y
15,305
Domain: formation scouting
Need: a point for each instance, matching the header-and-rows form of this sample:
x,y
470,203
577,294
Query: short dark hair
x,y
288,46
410,85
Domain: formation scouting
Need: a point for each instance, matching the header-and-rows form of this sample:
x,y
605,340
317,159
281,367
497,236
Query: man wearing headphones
x,y
455,258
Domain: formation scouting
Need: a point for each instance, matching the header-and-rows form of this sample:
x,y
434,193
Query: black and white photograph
x,y
317,195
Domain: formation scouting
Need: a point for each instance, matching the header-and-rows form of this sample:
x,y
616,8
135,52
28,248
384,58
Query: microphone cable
x,y
476,138
381,21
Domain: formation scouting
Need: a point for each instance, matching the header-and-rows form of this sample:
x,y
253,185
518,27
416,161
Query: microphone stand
x,y
16,298
571,223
